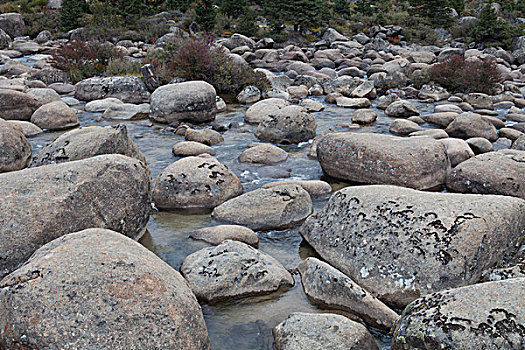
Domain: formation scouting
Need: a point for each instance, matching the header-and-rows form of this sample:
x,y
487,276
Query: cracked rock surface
x,y
400,244
233,270
97,289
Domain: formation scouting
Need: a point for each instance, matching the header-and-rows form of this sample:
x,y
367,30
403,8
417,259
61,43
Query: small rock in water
x,y
217,234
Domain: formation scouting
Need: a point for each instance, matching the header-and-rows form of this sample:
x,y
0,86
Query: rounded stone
x,y
55,116
191,148
15,150
217,234
291,124
263,154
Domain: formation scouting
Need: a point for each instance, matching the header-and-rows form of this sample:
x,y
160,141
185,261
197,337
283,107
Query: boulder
x,y
191,148
263,154
55,116
434,133
501,172
458,150
13,24
403,127
479,101
28,129
101,105
442,119
257,112
364,116
480,145
490,315
98,289
433,92
195,182
420,163
401,244
217,234
15,105
127,111
401,109
290,124
447,108
267,209
192,101
315,188
129,89
329,288
88,142
233,270
238,40
249,94
519,144
43,95
5,40
15,150
109,191
348,102
321,332
205,136
467,125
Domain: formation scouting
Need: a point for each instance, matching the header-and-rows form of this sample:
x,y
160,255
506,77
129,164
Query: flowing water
x,y
247,323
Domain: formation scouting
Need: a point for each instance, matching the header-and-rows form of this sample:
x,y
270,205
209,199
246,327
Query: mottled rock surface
x,y
217,234
291,124
128,89
15,150
16,105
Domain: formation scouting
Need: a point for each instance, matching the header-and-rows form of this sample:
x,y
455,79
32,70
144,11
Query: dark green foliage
x,y
206,15
458,5
234,8
182,5
132,9
342,8
434,12
490,30
71,12
364,7
302,14
247,24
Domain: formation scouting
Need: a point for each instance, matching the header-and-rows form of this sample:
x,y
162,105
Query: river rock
x,y
205,136
480,145
509,133
13,24
364,116
442,119
15,105
192,101
458,150
447,108
401,244
267,209
55,116
44,95
129,89
434,92
257,112
109,191
191,148
315,188
88,290
101,105
328,287
291,124
28,129
403,127
348,102
217,234
434,133
263,154
15,150
249,94
501,172
490,315
519,144
233,270
420,163
88,142
195,182
5,40
302,331
479,100
127,111
401,109
467,125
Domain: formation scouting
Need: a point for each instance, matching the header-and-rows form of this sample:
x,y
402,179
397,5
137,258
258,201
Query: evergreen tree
x,y
489,29
341,8
206,15
182,5
71,12
364,7
133,8
247,24
234,8
302,14
434,12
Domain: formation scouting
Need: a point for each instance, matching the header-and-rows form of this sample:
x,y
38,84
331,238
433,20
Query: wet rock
x,y
55,116
267,209
348,102
195,182
191,148
401,109
291,124
128,89
13,24
127,111
442,119
315,188
205,136
101,105
218,234
434,92
458,150
311,105
88,142
249,94
89,288
404,127
263,154
15,150
15,105
400,244
447,108
321,332
480,145
257,112
110,191
433,133
44,95
501,172
192,101
364,116
509,133
28,129
479,101
420,163
487,314
366,89
466,126
233,270
328,287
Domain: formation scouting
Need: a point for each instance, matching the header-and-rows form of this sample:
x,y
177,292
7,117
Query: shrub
x,y
459,75
37,22
71,12
121,66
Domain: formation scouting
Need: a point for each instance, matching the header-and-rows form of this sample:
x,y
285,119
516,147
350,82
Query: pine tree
x,y
247,24
71,12
489,29
182,5
364,7
234,8
133,8
341,8
434,12
302,14
206,15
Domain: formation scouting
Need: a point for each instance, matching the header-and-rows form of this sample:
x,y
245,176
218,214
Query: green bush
x,y
121,66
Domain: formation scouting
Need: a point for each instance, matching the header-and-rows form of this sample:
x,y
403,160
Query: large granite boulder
x,y
420,163
401,109
128,89
258,111
401,244
13,24
466,126
483,316
41,204
16,105
233,270
98,289
15,150
88,142
192,101
290,124
55,116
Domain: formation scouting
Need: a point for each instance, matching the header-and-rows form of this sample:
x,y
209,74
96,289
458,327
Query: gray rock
x,y
519,144
257,112
28,129
487,314
401,109
466,126
479,101
15,150
348,102
109,191
447,108
263,154
400,244
480,145
127,111
442,119
315,188
191,148
291,124
249,94
433,133
267,209
195,182
13,24
55,116
328,287
403,127
238,40
501,172
233,270
88,142
364,116
420,163
205,136
302,331
434,92
217,234
458,150
128,89
15,105
87,290
101,105
44,95
43,37
5,40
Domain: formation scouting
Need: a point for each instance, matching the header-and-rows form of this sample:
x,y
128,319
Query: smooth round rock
x,y
291,124
315,188
263,154
15,105
15,150
401,109
364,116
28,129
191,148
217,234
205,136
480,145
55,116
